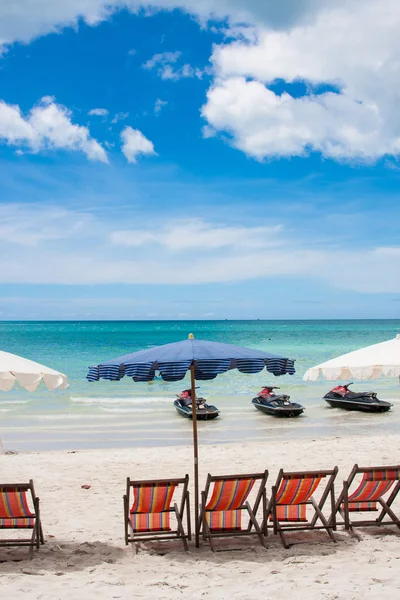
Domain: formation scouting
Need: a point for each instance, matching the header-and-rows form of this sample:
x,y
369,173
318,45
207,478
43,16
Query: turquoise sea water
x,y
123,414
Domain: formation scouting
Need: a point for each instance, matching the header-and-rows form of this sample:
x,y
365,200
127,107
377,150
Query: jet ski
x,y
204,411
342,397
278,405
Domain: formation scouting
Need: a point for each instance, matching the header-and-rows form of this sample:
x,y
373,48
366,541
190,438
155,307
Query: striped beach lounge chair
x,y
223,505
293,495
149,516
376,491
19,510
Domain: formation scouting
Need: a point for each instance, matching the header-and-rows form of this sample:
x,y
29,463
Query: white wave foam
x,y
133,400
66,417
13,402
135,411
4,410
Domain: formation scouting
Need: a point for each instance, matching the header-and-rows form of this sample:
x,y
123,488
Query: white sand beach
x,y
85,556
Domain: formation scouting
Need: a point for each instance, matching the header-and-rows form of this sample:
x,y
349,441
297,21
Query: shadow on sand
x,y
60,556
233,549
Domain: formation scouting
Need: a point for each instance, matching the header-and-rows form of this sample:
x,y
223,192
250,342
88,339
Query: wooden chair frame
x,y
343,498
179,533
37,537
251,511
280,527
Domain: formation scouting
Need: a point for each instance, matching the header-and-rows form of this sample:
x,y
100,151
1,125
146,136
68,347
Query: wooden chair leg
x,y
181,530
41,533
126,519
336,509
389,503
189,527
37,534
33,542
389,511
37,527
207,535
347,521
256,525
203,522
268,513
264,525
282,536
324,521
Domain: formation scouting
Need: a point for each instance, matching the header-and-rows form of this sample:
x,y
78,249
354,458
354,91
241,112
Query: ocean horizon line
x,y
180,320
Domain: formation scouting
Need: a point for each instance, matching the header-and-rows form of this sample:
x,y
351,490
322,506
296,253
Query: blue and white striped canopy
x,y
173,360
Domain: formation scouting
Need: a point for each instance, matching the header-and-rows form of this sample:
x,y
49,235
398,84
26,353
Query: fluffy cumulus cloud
x,y
23,20
265,124
47,126
353,48
135,144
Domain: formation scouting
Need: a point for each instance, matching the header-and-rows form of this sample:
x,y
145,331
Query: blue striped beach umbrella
x,y
204,359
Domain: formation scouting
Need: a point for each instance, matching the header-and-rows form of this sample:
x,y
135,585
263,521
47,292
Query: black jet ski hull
x,y
291,410
202,414
376,406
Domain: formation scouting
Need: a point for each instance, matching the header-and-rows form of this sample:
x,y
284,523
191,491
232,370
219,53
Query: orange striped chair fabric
x,y
14,509
374,484
149,511
223,509
294,491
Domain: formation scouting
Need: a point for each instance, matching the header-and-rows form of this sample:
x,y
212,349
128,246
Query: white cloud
x,y
186,234
120,116
353,44
162,58
355,47
159,105
264,124
135,144
23,20
47,126
59,246
98,112
165,65
31,225
357,270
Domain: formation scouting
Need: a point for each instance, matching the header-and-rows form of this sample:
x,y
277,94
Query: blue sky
x,y
186,163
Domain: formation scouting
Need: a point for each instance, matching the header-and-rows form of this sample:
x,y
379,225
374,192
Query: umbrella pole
x,y
196,456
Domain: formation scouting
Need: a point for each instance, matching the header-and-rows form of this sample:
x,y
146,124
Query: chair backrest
x,y
13,500
376,482
293,490
230,492
296,488
154,496
228,496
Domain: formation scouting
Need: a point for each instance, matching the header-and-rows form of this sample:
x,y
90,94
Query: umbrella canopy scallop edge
x,y
174,360
370,362
28,374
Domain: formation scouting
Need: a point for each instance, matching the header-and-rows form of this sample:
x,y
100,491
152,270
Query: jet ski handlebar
x,y
268,387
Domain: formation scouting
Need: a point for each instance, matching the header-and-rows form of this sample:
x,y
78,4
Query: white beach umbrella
x,y
368,363
28,374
